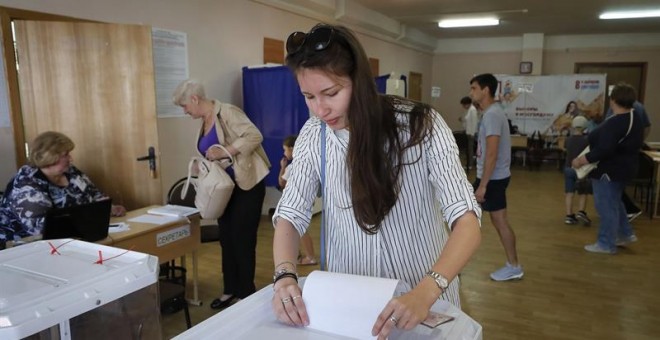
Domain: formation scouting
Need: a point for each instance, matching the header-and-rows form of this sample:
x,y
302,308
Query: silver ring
x,y
296,297
394,320
286,300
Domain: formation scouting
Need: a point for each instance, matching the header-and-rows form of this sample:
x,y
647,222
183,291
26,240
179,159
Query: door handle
x,y
151,157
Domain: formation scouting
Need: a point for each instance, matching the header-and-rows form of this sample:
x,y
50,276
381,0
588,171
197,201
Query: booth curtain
x,y
273,102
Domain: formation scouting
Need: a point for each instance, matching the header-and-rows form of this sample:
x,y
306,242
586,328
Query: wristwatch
x,y
440,280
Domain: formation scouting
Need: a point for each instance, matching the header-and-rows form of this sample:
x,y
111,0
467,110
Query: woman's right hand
x,y
284,162
288,304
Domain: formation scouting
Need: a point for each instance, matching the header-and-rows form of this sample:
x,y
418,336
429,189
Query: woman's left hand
x,y
578,162
214,154
117,210
404,312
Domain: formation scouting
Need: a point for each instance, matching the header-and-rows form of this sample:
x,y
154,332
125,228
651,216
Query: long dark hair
x,y
375,150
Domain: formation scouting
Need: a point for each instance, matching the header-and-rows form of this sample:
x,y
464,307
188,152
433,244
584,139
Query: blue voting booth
x,y
272,100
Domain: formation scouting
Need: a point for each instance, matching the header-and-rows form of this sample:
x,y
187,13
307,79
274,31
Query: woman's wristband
x,y
283,275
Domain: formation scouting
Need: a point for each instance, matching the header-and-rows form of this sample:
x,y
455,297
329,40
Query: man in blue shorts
x,y
493,170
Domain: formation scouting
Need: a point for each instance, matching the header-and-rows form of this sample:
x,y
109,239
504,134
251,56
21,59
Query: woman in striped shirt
x,y
392,171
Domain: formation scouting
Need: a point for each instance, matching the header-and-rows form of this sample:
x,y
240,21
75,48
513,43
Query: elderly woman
x,y
49,181
615,144
227,125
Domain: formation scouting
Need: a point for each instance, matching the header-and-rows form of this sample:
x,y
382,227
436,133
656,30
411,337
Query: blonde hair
x,y
187,89
46,149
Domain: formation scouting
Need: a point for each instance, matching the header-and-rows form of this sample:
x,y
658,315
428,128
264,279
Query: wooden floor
x,y
566,293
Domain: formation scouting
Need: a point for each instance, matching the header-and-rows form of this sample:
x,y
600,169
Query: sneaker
x,y
596,248
570,219
582,217
622,242
633,216
507,273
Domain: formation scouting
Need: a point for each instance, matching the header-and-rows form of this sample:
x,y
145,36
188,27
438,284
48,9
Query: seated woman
x,y
49,181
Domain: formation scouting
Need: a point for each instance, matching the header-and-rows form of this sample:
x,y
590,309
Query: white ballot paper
x,y
346,304
154,219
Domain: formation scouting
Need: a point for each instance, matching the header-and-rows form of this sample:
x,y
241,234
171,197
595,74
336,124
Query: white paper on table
x,y
346,304
118,227
154,219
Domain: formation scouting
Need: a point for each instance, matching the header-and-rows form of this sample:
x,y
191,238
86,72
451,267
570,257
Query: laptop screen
x,y
88,222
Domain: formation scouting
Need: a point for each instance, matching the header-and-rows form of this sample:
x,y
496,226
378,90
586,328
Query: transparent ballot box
x,y
69,289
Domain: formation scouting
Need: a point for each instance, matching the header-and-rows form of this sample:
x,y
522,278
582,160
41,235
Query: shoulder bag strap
x,y
323,257
184,191
629,126
230,159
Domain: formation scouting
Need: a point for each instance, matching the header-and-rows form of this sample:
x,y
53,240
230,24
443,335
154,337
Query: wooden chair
x,y
645,182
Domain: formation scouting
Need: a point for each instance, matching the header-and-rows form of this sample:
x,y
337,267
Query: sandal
x,y
307,261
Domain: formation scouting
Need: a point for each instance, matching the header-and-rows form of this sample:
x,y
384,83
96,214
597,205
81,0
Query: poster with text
x,y
541,103
170,50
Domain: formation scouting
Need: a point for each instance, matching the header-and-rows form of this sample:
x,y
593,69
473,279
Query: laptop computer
x,y
88,222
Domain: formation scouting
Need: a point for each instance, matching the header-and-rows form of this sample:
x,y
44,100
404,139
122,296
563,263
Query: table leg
x,y
657,189
195,300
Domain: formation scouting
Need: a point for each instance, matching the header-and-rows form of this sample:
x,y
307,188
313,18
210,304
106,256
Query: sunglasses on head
x,y
319,38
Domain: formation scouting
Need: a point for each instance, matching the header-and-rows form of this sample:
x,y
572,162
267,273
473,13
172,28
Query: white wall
x,y
457,60
223,36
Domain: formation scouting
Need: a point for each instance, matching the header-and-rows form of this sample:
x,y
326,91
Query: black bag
x,y
535,145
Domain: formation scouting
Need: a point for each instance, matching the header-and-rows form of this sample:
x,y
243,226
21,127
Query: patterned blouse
x,y
30,195
412,235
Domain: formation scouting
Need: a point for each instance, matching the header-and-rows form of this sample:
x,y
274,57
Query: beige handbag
x,y
213,185
584,170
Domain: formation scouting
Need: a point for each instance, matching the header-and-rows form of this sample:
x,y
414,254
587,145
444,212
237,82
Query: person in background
x,y
308,257
49,181
493,170
632,210
470,122
562,124
228,125
391,172
575,143
615,145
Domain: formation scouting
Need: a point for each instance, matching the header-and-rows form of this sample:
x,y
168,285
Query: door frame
x,y
642,66
7,15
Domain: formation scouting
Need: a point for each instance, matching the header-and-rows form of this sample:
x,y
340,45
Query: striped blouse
x,y
412,235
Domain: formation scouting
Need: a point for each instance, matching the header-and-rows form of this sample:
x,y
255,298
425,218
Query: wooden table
x,y
653,145
167,241
519,143
655,156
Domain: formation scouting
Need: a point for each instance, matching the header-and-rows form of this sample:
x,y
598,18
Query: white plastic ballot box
x,y
253,318
70,289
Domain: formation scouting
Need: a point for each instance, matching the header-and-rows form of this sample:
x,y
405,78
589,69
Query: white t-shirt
x,y
471,121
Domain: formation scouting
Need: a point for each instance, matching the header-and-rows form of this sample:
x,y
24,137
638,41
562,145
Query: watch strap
x,y
440,280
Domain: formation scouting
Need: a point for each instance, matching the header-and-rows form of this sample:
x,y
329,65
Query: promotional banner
x,y
548,103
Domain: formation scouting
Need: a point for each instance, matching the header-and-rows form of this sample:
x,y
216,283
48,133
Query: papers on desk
x,y
118,227
154,219
173,210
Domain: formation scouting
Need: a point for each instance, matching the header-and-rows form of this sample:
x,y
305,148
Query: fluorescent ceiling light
x,y
468,22
630,14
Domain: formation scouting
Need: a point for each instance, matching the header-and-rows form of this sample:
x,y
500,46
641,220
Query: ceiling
x,y
559,17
